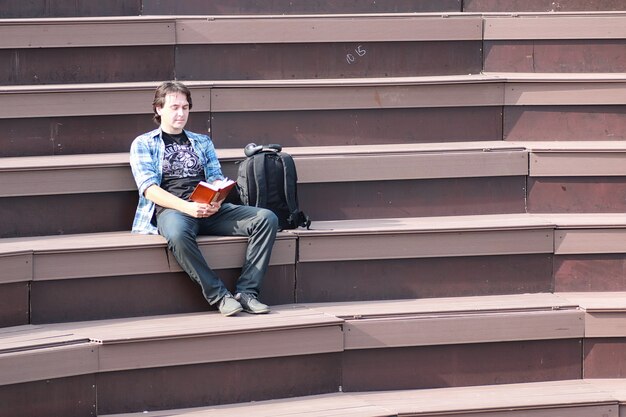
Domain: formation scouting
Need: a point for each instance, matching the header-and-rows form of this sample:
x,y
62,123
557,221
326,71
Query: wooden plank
x,y
233,347
493,398
364,97
49,363
326,29
400,167
442,306
567,242
561,27
463,328
16,267
87,100
404,245
86,32
580,93
564,164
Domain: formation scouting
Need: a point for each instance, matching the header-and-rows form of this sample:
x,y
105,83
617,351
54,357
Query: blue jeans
x,y
258,224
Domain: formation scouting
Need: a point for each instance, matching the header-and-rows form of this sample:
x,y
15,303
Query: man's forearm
x,y
165,199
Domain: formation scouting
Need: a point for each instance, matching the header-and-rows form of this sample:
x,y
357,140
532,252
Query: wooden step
x,y
555,43
605,333
107,275
62,51
334,183
65,278
138,359
335,112
576,398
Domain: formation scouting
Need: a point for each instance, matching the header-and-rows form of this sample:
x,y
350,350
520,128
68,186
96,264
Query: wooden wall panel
x,y
235,7
14,304
558,56
413,198
69,8
67,214
604,358
576,195
423,278
142,295
81,135
67,397
598,272
87,65
357,127
564,123
327,60
218,383
542,5
461,365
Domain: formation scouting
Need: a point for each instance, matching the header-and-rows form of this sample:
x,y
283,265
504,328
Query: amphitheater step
x,y
296,350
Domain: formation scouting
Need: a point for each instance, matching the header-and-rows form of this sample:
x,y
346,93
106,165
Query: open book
x,y
209,193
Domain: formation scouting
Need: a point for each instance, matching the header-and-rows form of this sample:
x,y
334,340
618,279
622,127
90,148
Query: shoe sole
x,y
230,313
245,310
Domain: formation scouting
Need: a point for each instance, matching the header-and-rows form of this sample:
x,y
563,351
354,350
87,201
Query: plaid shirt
x,y
146,163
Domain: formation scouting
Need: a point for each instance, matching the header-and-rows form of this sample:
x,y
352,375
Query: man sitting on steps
x,y
167,164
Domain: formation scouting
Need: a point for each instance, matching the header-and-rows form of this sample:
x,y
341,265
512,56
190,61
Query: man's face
x,y
174,113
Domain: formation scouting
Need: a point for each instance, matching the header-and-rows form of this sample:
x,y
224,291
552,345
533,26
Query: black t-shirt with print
x,y
182,170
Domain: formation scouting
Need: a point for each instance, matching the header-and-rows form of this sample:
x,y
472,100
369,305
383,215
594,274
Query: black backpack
x,y
267,178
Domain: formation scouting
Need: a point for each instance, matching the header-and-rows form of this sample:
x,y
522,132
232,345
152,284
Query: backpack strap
x,y
297,217
258,165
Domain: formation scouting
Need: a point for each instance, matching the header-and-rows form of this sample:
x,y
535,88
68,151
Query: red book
x,y
209,193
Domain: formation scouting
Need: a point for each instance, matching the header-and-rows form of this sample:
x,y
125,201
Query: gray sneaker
x,y
251,304
229,306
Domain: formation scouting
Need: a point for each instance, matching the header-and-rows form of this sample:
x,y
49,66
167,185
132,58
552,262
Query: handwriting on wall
x,y
359,51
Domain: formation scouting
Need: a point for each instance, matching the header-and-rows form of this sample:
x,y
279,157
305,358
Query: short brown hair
x,y
168,87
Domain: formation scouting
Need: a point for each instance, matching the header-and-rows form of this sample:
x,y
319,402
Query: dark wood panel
x,y
142,295
14,304
227,7
87,65
601,272
67,214
566,123
604,358
423,278
69,8
327,60
562,56
542,5
461,365
413,198
80,135
67,397
577,195
218,383
357,127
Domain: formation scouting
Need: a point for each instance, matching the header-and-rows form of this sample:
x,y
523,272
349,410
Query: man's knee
x,y
268,217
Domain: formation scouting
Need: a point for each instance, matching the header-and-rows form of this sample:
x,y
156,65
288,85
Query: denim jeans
x,y
258,224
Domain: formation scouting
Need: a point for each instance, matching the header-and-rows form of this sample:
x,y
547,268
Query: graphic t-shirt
x,y
182,170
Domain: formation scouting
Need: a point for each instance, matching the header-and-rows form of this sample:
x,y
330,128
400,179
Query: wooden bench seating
x,y
66,278
334,183
19,9
337,346
105,118
576,398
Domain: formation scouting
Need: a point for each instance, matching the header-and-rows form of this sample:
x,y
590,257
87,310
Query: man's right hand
x,y
200,210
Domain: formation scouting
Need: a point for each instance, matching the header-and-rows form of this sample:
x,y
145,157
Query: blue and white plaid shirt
x,y
146,162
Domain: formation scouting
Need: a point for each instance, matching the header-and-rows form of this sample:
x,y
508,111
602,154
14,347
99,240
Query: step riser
x,y
540,5
57,214
598,272
461,365
423,278
154,294
605,358
239,62
555,56
577,195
